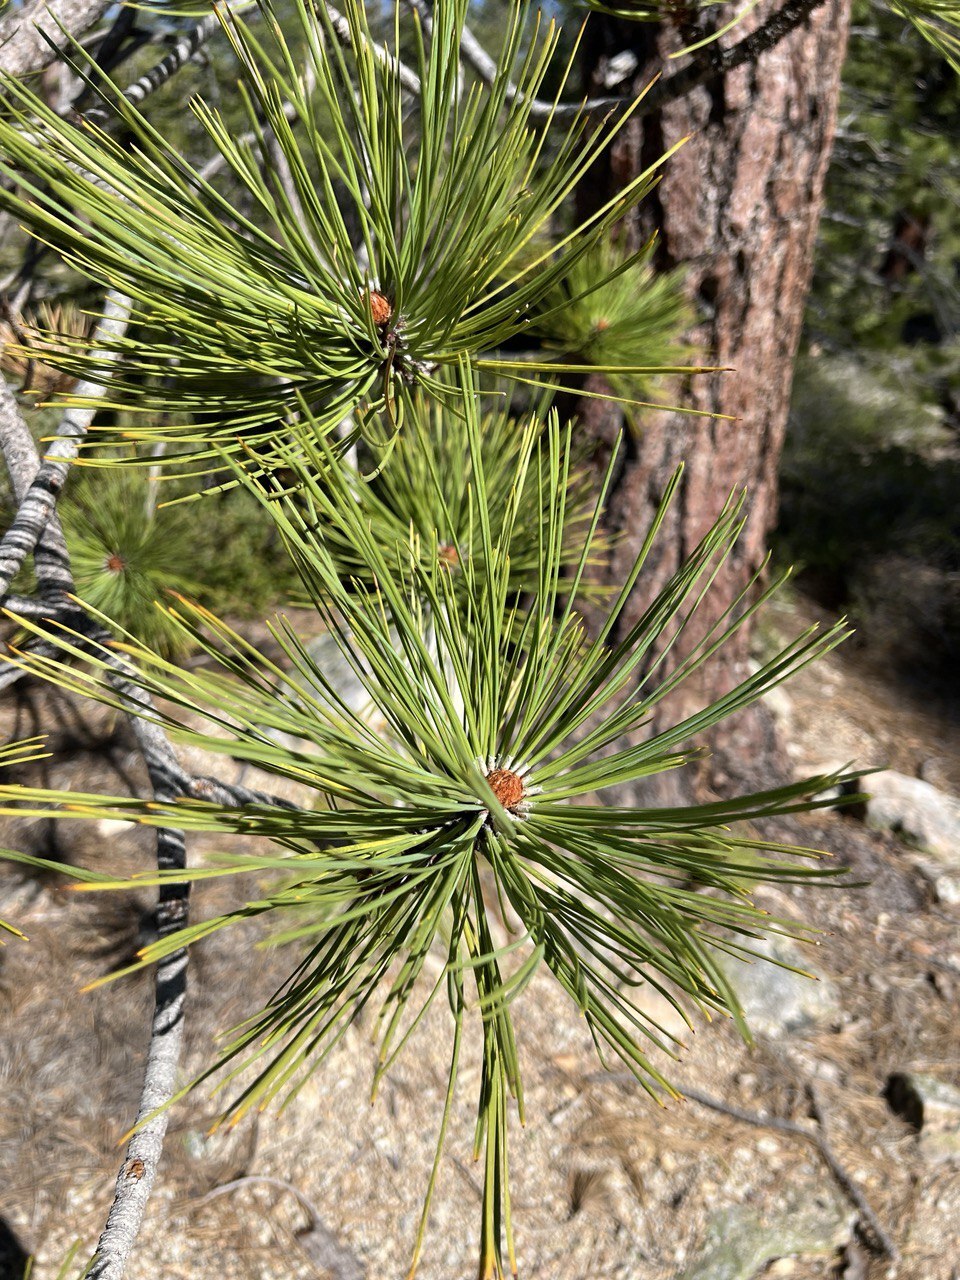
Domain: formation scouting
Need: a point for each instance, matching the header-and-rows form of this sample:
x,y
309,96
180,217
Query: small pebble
x,y
782,1267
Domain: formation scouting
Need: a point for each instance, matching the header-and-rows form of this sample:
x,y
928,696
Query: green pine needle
x,y
245,307
938,21
422,503
126,555
612,311
501,732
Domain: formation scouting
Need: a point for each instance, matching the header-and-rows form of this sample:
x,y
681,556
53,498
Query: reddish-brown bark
x,y
738,206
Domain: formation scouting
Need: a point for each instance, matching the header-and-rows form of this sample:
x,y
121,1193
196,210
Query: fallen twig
x,y
318,1241
850,1189
878,1237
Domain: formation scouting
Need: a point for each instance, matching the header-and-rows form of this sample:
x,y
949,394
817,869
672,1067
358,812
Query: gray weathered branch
x,y
720,62
189,44
476,57
24,47
37,485
40,499
138,1171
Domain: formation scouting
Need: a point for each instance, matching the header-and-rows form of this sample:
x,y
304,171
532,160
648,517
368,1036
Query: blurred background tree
x,y
738,209
877,386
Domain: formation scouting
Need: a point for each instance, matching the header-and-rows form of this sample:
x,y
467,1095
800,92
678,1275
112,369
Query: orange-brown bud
x,y
507,786
381,308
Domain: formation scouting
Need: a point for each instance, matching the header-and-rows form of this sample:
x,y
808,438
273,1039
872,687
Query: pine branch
x,y
441,806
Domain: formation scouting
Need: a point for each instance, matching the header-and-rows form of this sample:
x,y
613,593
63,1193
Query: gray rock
x,y
326,654
773,998
932,1107
939,771
946,889
945,884
922,815
739,1242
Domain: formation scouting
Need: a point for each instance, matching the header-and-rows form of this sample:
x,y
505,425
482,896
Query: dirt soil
x,y
605,1184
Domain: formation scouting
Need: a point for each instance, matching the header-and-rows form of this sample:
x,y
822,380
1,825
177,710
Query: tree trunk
x,y
738,207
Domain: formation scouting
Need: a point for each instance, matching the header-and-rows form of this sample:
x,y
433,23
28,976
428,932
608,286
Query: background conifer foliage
x,y
343,313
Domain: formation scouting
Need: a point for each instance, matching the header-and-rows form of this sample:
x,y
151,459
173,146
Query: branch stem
x,y
138,1171
38,495
713,63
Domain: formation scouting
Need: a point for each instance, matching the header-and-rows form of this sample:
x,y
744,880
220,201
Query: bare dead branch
x,y
711,63
708,64
138,1171
37,485
190,43
477,58
409,79
181,53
